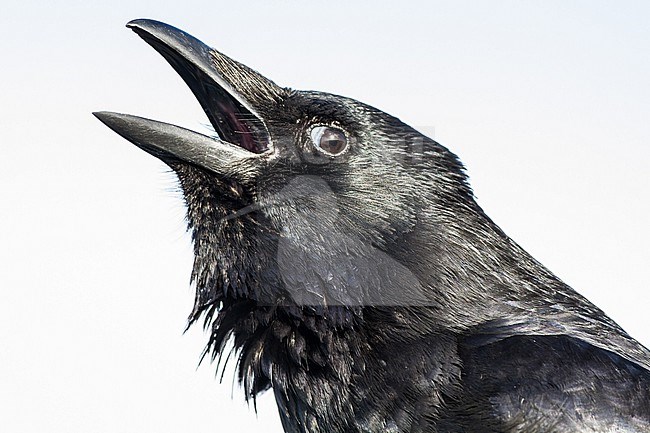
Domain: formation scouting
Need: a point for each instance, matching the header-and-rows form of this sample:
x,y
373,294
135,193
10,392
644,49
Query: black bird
x,y
344,255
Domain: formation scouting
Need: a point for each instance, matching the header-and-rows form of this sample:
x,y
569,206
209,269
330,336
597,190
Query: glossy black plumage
x,y
368,289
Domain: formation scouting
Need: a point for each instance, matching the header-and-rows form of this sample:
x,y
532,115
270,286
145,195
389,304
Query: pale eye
x,y
329,140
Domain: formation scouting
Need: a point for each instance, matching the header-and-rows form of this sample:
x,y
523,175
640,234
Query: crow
x,y
342,257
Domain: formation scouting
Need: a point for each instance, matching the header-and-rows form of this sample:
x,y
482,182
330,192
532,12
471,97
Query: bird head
x,y
303,205
296,189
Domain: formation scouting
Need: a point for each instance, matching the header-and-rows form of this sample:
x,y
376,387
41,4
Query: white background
x,y
547,103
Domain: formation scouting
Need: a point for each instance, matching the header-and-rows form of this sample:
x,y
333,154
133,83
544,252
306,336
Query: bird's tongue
x,y
241,132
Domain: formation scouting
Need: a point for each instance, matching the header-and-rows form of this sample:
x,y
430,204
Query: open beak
x,y
228,92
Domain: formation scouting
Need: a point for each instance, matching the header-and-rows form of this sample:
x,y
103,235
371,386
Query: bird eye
x,y
331,141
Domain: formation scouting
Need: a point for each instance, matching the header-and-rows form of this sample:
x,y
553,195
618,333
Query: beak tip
x,y
137,23
105,117
100,115
145,27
